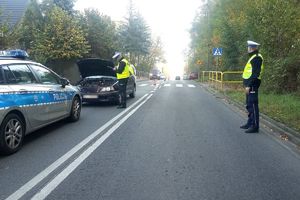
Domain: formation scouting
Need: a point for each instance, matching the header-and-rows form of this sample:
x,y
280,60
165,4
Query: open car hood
x,y
95,67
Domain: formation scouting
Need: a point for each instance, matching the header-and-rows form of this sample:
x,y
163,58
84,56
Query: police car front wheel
x,y
12,134
75,110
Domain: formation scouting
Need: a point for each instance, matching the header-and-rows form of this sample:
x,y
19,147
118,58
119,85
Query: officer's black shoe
x,y
252,130
245,126
121,106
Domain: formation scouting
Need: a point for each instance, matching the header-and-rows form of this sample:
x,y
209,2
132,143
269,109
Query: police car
x,y
31,96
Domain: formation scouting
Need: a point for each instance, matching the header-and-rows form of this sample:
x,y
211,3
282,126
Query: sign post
x,y
217,52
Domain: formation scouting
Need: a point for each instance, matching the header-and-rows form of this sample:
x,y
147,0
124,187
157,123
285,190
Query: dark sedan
x,y
99,81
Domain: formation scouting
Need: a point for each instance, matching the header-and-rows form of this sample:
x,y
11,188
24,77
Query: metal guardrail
x,y
218,77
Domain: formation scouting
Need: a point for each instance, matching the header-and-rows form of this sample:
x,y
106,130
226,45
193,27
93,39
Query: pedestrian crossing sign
x,y
217,51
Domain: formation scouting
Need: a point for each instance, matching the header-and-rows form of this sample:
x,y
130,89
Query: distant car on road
x,y
154,74
177,78
99,81
185,77
32,96
162,77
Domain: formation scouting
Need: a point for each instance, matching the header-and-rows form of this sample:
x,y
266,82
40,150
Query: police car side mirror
x,y
64,82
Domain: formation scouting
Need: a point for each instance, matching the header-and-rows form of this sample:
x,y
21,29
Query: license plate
x,y
90,96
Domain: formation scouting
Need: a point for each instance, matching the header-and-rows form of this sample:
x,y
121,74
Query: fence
x,y
220,79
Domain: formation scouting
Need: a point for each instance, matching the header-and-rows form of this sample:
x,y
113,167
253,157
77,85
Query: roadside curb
x,y
277,129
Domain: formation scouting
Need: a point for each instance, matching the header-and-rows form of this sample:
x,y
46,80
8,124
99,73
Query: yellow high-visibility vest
x,y
248,68
125,73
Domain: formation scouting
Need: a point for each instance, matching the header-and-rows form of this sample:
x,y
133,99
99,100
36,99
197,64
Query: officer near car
x,y
251,80
123,72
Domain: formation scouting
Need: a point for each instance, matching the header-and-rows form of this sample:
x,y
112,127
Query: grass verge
x,y
284,108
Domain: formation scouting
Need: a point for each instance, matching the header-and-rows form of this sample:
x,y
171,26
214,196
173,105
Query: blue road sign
x,y
217,51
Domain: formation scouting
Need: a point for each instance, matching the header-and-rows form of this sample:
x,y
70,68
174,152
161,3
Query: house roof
x,y
12,10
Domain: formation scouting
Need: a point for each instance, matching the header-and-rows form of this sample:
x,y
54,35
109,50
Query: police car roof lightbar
x,y
17,53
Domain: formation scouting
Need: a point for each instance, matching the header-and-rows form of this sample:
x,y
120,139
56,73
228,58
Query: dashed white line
x,y
179,85
144,84
191,86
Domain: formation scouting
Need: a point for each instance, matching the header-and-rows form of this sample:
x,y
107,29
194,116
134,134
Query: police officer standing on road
x,y
122,70
251,80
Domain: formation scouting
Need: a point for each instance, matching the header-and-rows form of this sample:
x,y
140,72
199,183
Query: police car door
x,y
57,106
24,93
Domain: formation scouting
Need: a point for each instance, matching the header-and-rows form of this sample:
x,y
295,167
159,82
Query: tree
x,y
277,27
30,25
275,24
65,5
4,32
135,36
101,33
8,33
61,38
156,55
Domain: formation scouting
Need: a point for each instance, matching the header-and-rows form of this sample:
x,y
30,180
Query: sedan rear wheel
x,y
12,134
75,110
132,95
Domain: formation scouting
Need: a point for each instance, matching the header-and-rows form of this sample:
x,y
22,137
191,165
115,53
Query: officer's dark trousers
x,y
122,91
252,108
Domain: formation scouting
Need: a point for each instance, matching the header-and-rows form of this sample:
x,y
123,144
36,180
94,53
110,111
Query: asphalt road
x,y
174,141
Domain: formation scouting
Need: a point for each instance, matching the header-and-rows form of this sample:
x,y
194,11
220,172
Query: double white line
x,y
46,190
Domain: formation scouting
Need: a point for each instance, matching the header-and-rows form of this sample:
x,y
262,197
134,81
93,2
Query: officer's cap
x,y
252,44
116,55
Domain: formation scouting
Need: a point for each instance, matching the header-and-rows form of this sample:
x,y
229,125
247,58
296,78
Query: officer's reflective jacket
x,y
123,69
253,70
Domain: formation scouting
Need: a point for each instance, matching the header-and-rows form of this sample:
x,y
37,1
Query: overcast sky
x,y
169,19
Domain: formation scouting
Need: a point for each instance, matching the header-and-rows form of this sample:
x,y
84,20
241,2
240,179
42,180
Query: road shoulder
x,y
282,133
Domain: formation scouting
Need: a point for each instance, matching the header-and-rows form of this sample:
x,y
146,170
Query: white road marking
x,y
192,86
44,192
179,85
167,85
144,84
43,174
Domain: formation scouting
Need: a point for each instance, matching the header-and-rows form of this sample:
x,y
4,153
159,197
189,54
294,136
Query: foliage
x,y
135,36
30,25
65,5
4,32
101,33
51,31
283,108
230,23
60,38
8,35
155,55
